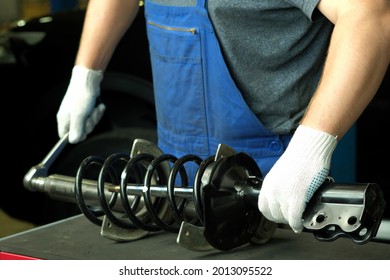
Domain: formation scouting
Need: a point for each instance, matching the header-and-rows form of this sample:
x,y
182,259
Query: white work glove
x,y
78,114
294,178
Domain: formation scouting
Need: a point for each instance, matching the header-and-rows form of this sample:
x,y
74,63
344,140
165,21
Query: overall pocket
x,y
178,78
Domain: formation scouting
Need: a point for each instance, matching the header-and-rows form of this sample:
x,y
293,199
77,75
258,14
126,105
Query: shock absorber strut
x,y
131,196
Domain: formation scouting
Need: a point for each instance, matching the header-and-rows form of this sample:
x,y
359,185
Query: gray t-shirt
x,y
275,51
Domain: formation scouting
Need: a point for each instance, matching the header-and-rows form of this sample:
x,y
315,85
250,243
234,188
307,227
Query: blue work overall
x,y
198,104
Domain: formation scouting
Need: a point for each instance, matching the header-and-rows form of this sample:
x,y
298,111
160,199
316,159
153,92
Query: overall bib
x,y
198,105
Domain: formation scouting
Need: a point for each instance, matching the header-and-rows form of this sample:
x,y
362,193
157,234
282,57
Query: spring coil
x,y
140,174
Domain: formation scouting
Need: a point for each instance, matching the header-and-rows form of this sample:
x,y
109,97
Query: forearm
x,y
358,57
105,23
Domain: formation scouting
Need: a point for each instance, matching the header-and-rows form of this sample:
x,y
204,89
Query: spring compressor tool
x,y
219,211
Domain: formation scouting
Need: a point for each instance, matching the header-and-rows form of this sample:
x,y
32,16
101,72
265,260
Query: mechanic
x,y
281,80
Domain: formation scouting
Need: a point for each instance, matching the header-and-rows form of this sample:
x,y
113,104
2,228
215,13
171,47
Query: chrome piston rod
x,y
61,187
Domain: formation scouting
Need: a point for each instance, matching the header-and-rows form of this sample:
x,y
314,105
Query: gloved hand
x,y
78,114
294,178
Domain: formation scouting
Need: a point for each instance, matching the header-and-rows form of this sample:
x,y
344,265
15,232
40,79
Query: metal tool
x,y
147,191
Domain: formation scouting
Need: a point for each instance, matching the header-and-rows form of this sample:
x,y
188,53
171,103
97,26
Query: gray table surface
x,y
77,238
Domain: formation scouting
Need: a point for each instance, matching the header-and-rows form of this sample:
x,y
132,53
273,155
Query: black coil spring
x,y
144,210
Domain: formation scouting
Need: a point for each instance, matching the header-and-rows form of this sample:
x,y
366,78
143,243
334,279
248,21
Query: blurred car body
x,y
36,59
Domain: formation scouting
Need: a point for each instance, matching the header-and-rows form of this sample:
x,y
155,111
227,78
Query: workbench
x,y
76,238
